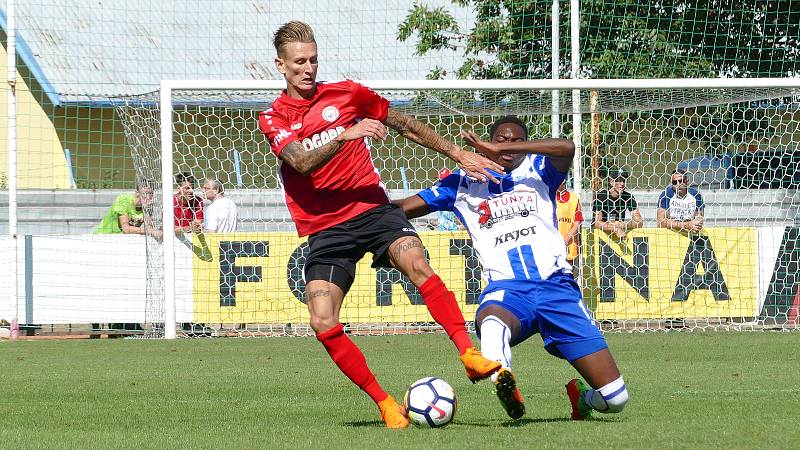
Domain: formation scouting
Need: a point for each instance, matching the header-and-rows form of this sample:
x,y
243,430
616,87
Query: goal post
x,y
649,126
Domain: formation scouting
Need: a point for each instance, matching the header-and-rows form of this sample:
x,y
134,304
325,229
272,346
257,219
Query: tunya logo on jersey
x,y
320,139
330,113
506,207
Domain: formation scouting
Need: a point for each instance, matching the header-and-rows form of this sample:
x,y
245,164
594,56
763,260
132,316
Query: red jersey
x,y
185,214
348,184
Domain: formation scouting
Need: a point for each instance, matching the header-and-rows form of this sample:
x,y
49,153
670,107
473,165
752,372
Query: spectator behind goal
x,y
187,207
221,214
126,215
570,217
611,207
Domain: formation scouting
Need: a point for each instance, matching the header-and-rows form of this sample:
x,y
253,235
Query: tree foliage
x,y
510,39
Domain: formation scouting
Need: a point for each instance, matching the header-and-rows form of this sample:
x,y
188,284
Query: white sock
x,y
495,342
609,398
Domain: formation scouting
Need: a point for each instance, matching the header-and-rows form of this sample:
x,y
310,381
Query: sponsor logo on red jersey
x,y
320,139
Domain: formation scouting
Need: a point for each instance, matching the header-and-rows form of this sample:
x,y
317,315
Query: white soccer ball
x,y
430,402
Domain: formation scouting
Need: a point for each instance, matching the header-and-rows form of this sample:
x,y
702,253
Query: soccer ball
x,y
430,402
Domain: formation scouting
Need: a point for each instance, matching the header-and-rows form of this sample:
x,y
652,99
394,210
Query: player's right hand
x,y
366,128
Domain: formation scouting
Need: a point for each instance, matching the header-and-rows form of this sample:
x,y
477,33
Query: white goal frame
x,y
574,85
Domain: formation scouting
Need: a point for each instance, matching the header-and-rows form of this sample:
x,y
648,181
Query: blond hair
x,y
294,31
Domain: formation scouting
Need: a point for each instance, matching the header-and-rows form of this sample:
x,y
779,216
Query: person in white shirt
x,y
221,214
680,207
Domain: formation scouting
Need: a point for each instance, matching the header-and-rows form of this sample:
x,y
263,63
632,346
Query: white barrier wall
x,y
84,279
769,243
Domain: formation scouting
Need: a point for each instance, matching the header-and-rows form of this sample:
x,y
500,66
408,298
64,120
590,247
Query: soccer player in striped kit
x,y
530,288
336,197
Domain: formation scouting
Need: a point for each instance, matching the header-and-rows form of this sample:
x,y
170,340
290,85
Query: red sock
x,y
441,303
348,357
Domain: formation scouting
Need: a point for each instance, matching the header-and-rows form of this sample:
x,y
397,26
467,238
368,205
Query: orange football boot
x,y
392,413
477,366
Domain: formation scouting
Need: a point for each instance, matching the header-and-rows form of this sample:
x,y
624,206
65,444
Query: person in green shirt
x,y
125,215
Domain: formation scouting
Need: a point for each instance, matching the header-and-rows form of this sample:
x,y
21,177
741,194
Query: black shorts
x,y
334,252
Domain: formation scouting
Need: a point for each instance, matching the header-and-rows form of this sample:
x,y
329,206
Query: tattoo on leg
x,y
405,246
319,293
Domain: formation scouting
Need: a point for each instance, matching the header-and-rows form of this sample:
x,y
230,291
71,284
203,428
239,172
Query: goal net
x,y
738,142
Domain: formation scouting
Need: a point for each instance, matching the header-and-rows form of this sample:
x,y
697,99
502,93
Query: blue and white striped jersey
x,y
513,224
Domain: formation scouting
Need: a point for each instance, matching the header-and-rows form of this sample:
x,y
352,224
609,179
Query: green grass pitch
x,y
688,390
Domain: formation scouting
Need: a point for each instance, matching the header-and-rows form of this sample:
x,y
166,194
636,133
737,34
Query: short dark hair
x,y
683,173
618,172
184,177
508,119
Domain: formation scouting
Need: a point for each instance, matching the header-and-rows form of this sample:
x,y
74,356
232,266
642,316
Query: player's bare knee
x,y
322,324
408,256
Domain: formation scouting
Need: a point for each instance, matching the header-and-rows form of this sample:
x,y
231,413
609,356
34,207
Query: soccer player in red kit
x,y
336,197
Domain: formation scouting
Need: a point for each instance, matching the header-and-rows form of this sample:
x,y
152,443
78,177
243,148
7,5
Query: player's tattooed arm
x,y
410,128
560,151
306,162
474,164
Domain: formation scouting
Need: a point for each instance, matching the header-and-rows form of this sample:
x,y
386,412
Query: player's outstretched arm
x,y
307,161
559,150
473,164
414,206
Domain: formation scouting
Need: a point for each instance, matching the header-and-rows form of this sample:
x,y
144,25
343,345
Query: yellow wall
x,y
100,156
734,248
41,163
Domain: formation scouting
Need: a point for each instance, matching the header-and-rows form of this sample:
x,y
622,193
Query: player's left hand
x,y
487,148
